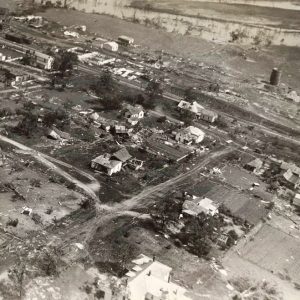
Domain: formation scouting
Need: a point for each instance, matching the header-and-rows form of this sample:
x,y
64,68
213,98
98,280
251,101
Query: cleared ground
x,y
275,251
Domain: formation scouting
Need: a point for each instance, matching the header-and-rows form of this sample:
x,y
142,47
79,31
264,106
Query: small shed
x,y
254,165
296,200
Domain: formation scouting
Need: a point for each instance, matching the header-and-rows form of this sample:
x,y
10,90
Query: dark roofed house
x,y
122,155
254,165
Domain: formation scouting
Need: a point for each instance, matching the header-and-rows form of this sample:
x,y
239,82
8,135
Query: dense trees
x,y
65,61
106,89
187,117
190,95
153,90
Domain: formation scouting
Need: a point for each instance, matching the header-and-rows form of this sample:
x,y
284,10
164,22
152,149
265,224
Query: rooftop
x,y
105,161
196,205
152,278
122,155
136,109
256,163
193,131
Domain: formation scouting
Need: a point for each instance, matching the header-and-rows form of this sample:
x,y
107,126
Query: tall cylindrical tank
x,y
275,76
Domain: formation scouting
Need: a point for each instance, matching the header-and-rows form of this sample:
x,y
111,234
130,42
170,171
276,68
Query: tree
x,y
8,76
154,88
111,103
65,61
28,124
58,117
17,276
27,59
187,117
190,95
105,84
106,89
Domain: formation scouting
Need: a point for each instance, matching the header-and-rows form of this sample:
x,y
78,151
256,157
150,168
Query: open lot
x,y
232,190
25,184
275,251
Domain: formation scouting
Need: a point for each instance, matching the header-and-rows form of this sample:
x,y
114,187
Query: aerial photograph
x,y
149,149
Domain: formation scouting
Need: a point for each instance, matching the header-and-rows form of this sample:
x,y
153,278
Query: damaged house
x,y
190,135
105,163
254,165
111,163
134,113
290,175
201,112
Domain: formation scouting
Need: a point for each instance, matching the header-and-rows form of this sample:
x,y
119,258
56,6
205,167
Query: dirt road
x,y
48,162
148,196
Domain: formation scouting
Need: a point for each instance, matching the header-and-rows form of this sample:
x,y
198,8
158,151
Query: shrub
x,y
12,222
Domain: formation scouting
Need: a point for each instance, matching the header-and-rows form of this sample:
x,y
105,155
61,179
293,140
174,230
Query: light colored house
x,y
121,129
111,46
208,115
195,205
42,60
296,200
125,40
194,107
290,175
201,112
190,134
254,165
290,179
106,164
135,111
151,280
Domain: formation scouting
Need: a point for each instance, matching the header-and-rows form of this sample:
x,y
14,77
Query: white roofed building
x,y
111,46
151,280
189,135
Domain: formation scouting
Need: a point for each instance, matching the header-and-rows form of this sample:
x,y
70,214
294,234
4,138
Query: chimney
x,y
154,257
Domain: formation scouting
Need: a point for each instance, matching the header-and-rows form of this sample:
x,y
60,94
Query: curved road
x,y
46,160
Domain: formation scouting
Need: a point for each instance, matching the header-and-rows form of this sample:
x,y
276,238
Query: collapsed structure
x,y
201,112
190,135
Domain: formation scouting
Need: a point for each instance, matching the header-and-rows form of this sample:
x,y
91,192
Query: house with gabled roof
x,y
122,155
194,206
254,165
201,112
107,164
149,279
134,111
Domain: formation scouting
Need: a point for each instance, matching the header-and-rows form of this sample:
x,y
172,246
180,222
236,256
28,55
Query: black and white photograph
x,y
149,149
